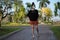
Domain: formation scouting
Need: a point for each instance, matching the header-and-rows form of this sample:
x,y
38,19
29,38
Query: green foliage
x,y
43,3
28,4
20,15
47,12
1,14
58,3
17,4
5,31
19,10
55,11
56,30
57,6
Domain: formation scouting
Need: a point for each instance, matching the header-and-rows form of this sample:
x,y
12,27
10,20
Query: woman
x,y
33,17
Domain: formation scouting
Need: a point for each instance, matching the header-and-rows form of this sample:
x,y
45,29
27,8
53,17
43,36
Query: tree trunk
x,y
10,18
0,23
48,19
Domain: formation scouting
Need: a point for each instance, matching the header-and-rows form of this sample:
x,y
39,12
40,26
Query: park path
x,y
26,34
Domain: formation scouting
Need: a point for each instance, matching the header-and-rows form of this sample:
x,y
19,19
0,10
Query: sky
x,y
51,5
37,3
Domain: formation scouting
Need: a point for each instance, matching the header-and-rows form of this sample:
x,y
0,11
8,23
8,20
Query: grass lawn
x,y
15,24
10,27
56,30
4,31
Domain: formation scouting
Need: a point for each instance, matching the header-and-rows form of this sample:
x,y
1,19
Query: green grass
x,y
4,31
56,30
15,24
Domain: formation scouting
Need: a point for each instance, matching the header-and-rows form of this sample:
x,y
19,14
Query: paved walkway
x,y
26,34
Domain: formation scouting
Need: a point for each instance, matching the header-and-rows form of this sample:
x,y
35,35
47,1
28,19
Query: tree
x,y
1,14
43,3
57,6
20,15
48,13
4,12
58,3
17,4
28,6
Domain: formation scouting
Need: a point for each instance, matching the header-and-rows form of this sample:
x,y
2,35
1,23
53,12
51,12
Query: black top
x,y
33,15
